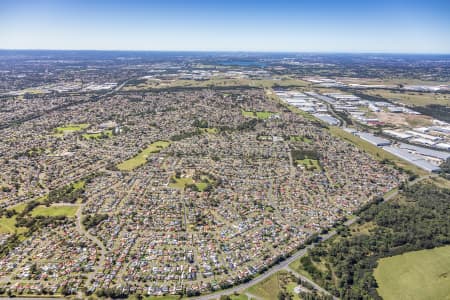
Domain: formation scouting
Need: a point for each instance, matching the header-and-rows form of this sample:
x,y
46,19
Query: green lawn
x,y
180,183
248,114
8,225
310,164
202,186
209,130
141,157
415,275
262,115
21,206
297,266
55,211
299,138
290,288
270,287
71,128
239,297
79,184
267,289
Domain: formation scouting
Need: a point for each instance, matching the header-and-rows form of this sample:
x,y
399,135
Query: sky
x,y
392,26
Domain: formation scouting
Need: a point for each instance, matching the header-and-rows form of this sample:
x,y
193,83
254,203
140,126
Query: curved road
x,y
285,264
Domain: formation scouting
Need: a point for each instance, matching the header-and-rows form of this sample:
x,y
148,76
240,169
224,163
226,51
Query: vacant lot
x,y
141,157
415,275
400,119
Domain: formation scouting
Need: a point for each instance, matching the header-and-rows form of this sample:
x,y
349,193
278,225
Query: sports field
x,y
415,275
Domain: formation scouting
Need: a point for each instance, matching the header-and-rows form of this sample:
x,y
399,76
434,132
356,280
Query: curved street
x,y
284,265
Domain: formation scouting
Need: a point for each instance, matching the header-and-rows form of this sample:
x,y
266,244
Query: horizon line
x,y
234,51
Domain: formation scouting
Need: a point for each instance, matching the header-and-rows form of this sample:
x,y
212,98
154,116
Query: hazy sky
x,y
295,25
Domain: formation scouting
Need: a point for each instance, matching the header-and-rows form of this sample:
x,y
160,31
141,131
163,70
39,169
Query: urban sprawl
x,y
180,177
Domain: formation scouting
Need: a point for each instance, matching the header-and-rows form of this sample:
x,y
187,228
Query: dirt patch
x,y
399,119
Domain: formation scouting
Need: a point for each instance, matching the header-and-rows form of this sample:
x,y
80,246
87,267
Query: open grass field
x,y
391,81
267,289
298,138
211,130
79,184
55,211
415,275
19,207
309,164
248,114
296,265
71,128
8,225
239,297
290,288
412,98
141,157
182,182
262,115
375,151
